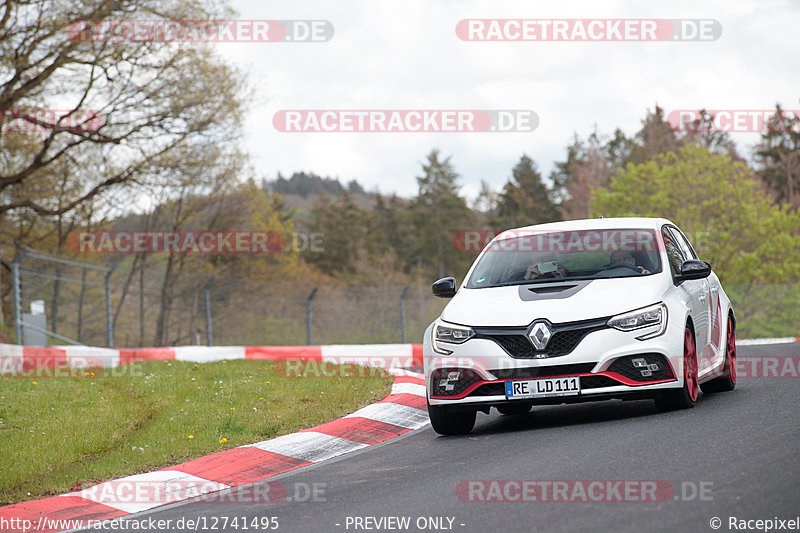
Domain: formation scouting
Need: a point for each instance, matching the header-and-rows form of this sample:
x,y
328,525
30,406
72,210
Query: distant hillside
x,y
307,185
302,206
302,190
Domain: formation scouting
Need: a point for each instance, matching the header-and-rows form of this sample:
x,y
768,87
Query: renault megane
x,y
579,311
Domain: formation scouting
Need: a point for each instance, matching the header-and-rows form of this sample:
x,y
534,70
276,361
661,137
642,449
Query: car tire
x,y
514,408
686,396
727,381
445,421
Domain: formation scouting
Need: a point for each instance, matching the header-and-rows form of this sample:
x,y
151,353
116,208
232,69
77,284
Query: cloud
x,y
405,54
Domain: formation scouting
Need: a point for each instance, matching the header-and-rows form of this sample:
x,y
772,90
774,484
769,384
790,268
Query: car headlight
x,y
450,334
654,315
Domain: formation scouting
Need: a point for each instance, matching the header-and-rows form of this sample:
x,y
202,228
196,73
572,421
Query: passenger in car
x,y
624,257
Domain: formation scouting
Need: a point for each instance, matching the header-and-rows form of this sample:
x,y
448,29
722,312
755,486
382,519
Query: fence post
x,y
17,299
109,324
207,294
2,322
308,315
403,312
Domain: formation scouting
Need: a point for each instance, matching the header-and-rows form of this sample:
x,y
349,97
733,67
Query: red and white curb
x,y
402,410
18,359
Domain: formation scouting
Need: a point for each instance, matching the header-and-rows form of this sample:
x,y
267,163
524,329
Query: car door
x,y
718,322
714,324
694,292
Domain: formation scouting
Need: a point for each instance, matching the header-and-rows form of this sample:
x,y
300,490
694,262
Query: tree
x,y
525,199
134,104
656,136
354,187
346,229
170,284
309,184
719,204
779,156
485,205
590,164
618,148
586,168
439,212
132,109
393,228
702,131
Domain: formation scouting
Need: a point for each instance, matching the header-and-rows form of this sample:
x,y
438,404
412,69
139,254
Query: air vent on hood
x,y
551,289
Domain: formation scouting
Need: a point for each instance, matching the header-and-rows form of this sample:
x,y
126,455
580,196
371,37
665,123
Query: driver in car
x,y
619,257
547,267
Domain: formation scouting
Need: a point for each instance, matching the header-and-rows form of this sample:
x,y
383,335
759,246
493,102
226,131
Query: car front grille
x,y
564,338
490,389
597,382
543,371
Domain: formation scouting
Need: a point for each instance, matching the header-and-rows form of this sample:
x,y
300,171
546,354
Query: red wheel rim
x,y
730,351
690,365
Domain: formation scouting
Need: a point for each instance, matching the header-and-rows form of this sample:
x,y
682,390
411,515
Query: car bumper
x,y
602,360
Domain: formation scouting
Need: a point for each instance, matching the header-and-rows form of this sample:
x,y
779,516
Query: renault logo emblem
x,y
539,335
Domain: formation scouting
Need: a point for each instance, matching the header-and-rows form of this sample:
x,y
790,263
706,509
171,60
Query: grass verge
x,y
59,434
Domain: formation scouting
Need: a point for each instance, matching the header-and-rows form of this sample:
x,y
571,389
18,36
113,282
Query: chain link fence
x,y
274,314
60,299
145,305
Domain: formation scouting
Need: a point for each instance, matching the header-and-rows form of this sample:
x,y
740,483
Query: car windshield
x,y
542,257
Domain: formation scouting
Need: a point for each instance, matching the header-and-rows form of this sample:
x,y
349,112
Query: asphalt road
x,y
735,454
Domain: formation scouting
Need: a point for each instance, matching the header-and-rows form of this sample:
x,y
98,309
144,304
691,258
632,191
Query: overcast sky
x,y
404,54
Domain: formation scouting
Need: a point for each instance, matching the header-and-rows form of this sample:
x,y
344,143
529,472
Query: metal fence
x,y
126,307
77,297
274,314
134,306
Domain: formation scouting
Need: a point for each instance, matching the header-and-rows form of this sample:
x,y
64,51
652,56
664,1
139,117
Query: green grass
x,y
65,433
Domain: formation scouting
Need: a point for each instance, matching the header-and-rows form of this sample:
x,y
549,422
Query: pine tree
x,y
439,212
346,232
525,199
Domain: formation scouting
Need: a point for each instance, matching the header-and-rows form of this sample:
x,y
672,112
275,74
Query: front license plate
x,y
543,388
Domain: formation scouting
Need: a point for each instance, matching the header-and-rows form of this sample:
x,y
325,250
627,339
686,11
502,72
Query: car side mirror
x,y
444,288
694,269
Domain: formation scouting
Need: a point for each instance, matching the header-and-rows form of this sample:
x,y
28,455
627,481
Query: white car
x,y
579,311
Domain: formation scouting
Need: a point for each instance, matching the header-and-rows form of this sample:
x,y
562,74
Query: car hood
x,y
518,305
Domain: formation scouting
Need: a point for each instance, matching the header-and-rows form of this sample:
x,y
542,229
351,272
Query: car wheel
x,y
514,408
445,421
727,381
686,396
